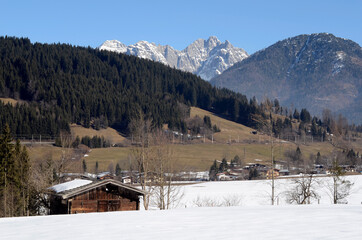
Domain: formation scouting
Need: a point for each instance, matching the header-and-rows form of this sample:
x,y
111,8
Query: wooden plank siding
x,y
103,199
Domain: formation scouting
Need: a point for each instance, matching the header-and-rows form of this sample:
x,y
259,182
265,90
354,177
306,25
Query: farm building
x,y
85,196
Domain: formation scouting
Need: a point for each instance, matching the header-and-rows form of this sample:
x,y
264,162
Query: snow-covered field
x,y
258,192
261,222
254,219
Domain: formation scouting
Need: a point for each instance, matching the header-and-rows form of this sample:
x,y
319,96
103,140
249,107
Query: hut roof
x,y
78,186
76,183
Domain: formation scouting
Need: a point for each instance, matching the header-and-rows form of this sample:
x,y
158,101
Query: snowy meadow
x,y
258,192
252,218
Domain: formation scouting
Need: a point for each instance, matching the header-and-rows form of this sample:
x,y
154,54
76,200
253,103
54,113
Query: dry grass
x,y
229,130
44,152
109,134
9,100
195,157
107,156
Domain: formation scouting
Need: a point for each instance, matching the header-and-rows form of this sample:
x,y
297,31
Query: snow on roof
x,y
102,174
69,185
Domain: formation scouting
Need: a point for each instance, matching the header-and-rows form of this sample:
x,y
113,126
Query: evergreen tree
x,y
236,160
6,166
298,155
296,114
118,170
305,116
96,168
213,171
223,165
84,165
253,173
318,158
207,122
76,142
14,176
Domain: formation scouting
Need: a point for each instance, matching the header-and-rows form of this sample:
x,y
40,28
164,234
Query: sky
x,y
251,25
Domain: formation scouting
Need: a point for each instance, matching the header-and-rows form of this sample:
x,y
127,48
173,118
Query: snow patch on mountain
x,y
338,63
206,58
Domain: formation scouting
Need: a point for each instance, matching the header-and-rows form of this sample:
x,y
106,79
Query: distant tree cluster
x,y
197,125
95,142
293,124
223,166
91,142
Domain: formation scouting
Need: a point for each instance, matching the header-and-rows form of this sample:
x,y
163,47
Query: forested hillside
x,y
316,71
62,84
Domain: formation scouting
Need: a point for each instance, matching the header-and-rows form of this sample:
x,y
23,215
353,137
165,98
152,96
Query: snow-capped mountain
x,y
206,58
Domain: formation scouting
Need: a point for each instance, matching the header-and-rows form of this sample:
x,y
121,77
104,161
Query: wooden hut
x,y
85,196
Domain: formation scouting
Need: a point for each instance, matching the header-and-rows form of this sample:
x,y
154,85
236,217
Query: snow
x,y
254,219
338,63
69,185
263,222
257,192
206,58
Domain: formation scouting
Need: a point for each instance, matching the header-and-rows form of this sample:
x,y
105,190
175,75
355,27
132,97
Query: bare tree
x,y
140,129
155,163
303,190
232,200
167,194
65,160
206,202
42,176
227,201
340,188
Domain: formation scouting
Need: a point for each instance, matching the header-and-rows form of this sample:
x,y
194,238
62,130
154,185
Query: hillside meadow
x,y
197,155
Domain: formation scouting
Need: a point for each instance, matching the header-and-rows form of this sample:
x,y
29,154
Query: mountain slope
x,y
62,84
206,58
316,71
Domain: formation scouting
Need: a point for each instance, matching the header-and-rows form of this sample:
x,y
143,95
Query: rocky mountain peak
x,y
206,58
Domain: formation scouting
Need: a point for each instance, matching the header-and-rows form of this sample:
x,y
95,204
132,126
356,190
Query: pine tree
x,y
296,114
237,160
318,159
6,165
84,164
207,122
96,168
118,170
223,165
14,176
298,155
213,170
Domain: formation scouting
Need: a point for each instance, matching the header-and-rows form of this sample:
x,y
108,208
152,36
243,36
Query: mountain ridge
x,y
205,58
316,71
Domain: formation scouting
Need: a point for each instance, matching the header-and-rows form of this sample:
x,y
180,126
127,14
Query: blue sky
x,y
251,25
